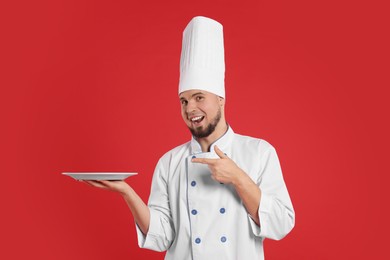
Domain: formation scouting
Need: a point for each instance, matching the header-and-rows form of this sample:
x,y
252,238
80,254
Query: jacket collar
x,y
223,143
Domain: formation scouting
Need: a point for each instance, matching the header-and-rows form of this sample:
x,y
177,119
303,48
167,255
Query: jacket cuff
x,y
147,241
263,213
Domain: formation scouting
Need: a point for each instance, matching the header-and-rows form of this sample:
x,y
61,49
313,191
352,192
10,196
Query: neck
x,y
206,142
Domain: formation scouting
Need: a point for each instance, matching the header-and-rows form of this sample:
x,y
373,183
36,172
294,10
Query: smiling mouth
x,y
197,119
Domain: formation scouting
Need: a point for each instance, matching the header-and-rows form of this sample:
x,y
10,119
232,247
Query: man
x,y
219,195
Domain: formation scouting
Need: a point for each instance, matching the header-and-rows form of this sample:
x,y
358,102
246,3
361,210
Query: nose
x,y
191,106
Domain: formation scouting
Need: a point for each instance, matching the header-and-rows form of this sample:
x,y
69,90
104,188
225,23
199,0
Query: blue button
x,y
222,210
197,240
193,157
193,183
194,212
223,239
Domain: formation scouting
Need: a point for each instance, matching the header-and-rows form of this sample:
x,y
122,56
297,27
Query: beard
x,y
199,132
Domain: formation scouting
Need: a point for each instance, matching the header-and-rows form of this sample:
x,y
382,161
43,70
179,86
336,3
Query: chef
x,y
221,194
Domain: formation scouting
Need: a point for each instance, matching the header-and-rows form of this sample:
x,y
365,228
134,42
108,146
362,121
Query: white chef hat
x,y
202,61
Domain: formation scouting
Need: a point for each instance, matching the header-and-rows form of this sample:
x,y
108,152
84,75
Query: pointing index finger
x,y
203,160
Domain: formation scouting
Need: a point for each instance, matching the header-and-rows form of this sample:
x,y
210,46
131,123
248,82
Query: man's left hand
x,y
223,170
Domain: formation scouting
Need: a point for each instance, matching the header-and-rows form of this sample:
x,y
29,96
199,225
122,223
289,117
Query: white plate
x,y
98,176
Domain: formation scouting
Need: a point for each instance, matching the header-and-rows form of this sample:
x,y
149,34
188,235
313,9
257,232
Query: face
x,y
201,111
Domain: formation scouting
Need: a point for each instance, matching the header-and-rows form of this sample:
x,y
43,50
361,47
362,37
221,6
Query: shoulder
x,y
170,161
253,143
177,152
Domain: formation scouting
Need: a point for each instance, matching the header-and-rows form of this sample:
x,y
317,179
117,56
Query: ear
x,y
221,101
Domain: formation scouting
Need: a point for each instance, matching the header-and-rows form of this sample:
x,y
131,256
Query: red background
x,y
92,86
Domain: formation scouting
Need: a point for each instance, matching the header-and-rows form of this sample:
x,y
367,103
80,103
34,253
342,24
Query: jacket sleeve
x,y
161,232
276,213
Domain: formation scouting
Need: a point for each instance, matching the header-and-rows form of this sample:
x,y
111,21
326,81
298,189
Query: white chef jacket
x,y
195,217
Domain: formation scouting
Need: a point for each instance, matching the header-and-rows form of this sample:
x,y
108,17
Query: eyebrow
x,y
197,93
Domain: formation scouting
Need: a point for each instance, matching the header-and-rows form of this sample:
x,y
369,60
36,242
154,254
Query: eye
x,y
199,98
184,102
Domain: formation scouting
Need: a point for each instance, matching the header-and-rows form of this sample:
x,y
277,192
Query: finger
x,y
105,183
219,152
203,160
86,182
97,184
89,182
109,184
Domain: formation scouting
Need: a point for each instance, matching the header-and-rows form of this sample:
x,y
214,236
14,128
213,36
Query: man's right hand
x,y
117,186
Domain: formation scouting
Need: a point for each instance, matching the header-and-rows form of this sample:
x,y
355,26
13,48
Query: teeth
x,y
196,118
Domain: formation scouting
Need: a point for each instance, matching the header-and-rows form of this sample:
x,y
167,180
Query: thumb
x,y
219,152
